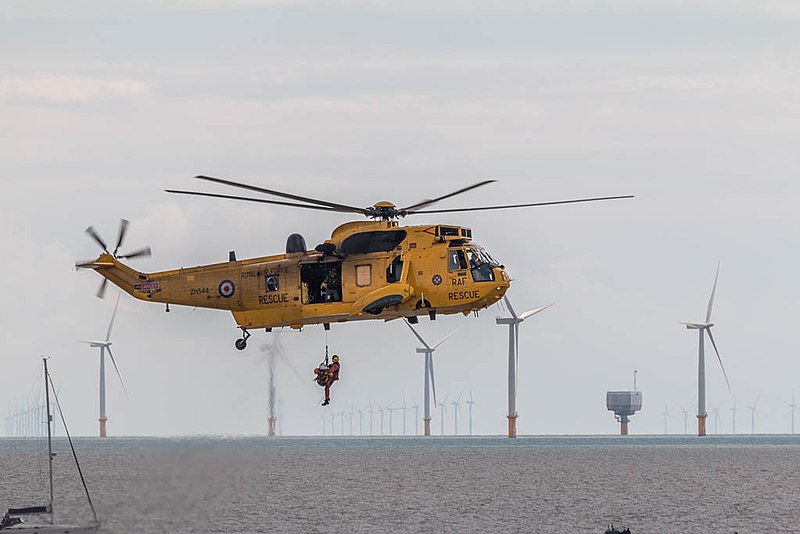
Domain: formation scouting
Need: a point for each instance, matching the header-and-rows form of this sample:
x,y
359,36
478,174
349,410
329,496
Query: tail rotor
x,y
144,252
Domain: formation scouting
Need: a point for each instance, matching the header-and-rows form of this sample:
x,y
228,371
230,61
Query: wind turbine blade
x,y
118,373
445,338
711,300
516,356
101,291
510,308
713,344
756,402
433,382
113,315
414,330
534,311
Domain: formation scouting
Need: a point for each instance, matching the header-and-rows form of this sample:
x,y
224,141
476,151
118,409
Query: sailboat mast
x,y
49,437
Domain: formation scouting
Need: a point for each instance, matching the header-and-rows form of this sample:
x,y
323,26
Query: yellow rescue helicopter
x,y
372,269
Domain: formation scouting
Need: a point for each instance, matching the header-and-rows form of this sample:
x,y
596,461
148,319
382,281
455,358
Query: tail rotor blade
x,y
101,291
99,240
113,315
711,299
118,373
123,229
711,337
142,252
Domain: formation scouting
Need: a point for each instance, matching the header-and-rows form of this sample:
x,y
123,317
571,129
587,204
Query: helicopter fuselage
x,y
367,270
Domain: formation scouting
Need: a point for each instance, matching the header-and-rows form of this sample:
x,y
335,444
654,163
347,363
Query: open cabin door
x,y
321,282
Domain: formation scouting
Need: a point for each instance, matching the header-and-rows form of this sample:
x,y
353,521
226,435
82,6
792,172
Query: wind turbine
x,y
753,416
105,346
513,323
360,422
415,406
456,403
442,405
469,403
793,407
702,329
370,412
380,411
715,409
685,420
403,408
430,383
733,418
665,414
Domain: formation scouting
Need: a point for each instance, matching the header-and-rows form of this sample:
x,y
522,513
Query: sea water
x,y
655,484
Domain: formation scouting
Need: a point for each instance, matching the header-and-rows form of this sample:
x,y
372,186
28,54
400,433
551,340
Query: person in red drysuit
x,y
332,376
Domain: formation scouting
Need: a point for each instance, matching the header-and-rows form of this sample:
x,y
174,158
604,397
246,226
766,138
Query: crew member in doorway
x,y
332,376
330,287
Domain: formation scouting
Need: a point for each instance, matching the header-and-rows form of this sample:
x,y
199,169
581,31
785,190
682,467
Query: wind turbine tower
x,y
456,403
733,418
624,404
430,383
665,414
753,416
105,346
702,329
513,323
793,407
469,403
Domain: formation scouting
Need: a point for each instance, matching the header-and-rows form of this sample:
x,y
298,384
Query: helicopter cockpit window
x,y
458,261
366,242
481,265
271,282
395,270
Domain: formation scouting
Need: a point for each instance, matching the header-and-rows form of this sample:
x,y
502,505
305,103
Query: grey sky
x,y
691,106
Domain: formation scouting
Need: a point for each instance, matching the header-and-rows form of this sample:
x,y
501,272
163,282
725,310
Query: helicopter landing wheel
x,y
422,303
241,343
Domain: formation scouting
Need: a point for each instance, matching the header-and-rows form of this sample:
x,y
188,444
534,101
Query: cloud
x,y
62,89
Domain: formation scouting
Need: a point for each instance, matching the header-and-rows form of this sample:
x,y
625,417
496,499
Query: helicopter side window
x,y
395,270
458,261
363,275
271,282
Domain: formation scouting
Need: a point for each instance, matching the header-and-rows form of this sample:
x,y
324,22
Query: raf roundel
x,y
437,279
226,288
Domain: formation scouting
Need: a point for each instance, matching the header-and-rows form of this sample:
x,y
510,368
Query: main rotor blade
x,y
94,235
113,315
711,337
260,200
123,229
430,201
101,291
510,308
339,207
508,206
711,299
118,373
534,311
142,252
414,330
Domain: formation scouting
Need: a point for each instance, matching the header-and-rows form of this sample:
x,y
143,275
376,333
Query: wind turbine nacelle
x,y
698,326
